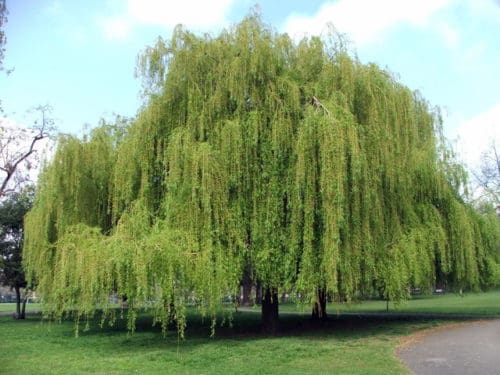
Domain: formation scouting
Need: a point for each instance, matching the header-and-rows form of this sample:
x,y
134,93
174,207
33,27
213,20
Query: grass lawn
x,y
347,345
470,303
11,307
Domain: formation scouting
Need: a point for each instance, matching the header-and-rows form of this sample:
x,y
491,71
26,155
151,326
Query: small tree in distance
x,y
12,211
488,175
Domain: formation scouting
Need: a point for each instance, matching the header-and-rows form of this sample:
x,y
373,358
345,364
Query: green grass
x,y
11,307
345,345
470,303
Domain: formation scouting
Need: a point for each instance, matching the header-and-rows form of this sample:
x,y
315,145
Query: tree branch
x,y
11,166
318,104
488,175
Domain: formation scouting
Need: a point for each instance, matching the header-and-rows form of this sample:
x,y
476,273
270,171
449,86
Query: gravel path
x,y
460,349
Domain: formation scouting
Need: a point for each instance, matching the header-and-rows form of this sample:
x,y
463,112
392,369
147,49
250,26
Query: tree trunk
x,y
23,308
19,314
270,315
258,292
319,308
246,288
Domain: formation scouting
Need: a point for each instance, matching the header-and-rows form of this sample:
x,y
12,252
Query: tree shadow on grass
x,y
247,326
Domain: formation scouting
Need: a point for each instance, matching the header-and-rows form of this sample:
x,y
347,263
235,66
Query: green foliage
x,y
296,161
12,211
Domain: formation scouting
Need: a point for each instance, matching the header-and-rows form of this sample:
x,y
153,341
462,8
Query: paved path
x,y
462,349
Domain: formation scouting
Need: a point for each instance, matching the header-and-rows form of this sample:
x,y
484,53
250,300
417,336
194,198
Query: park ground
x,y
362,342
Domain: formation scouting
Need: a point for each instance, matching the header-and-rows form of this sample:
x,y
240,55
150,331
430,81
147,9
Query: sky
x,y
80,56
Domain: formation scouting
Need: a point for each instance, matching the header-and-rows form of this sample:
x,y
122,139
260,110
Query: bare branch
x,y
11,149
488,176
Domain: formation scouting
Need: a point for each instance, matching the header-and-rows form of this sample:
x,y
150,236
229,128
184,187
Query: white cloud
x,y
115,27
197,14
473,55
365,21
449,34
475,135
484,8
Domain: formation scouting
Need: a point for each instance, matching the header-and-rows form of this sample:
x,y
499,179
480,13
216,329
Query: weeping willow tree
x,y
294,162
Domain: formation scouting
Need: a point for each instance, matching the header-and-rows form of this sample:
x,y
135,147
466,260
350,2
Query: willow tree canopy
x,y
320,174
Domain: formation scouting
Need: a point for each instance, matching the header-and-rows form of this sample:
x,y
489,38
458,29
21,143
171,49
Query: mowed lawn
x,y
449,303
351,345
11,307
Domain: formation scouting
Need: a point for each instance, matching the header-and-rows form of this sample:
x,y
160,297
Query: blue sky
x,y
79,56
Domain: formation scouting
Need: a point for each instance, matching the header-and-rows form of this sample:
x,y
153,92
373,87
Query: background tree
x,y
487,179
12,212
488,175
18,149
290,162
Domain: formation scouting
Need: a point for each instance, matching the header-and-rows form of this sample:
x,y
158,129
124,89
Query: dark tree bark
x,y
246,285
258,292
20,312
23,307
270,312
319,308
